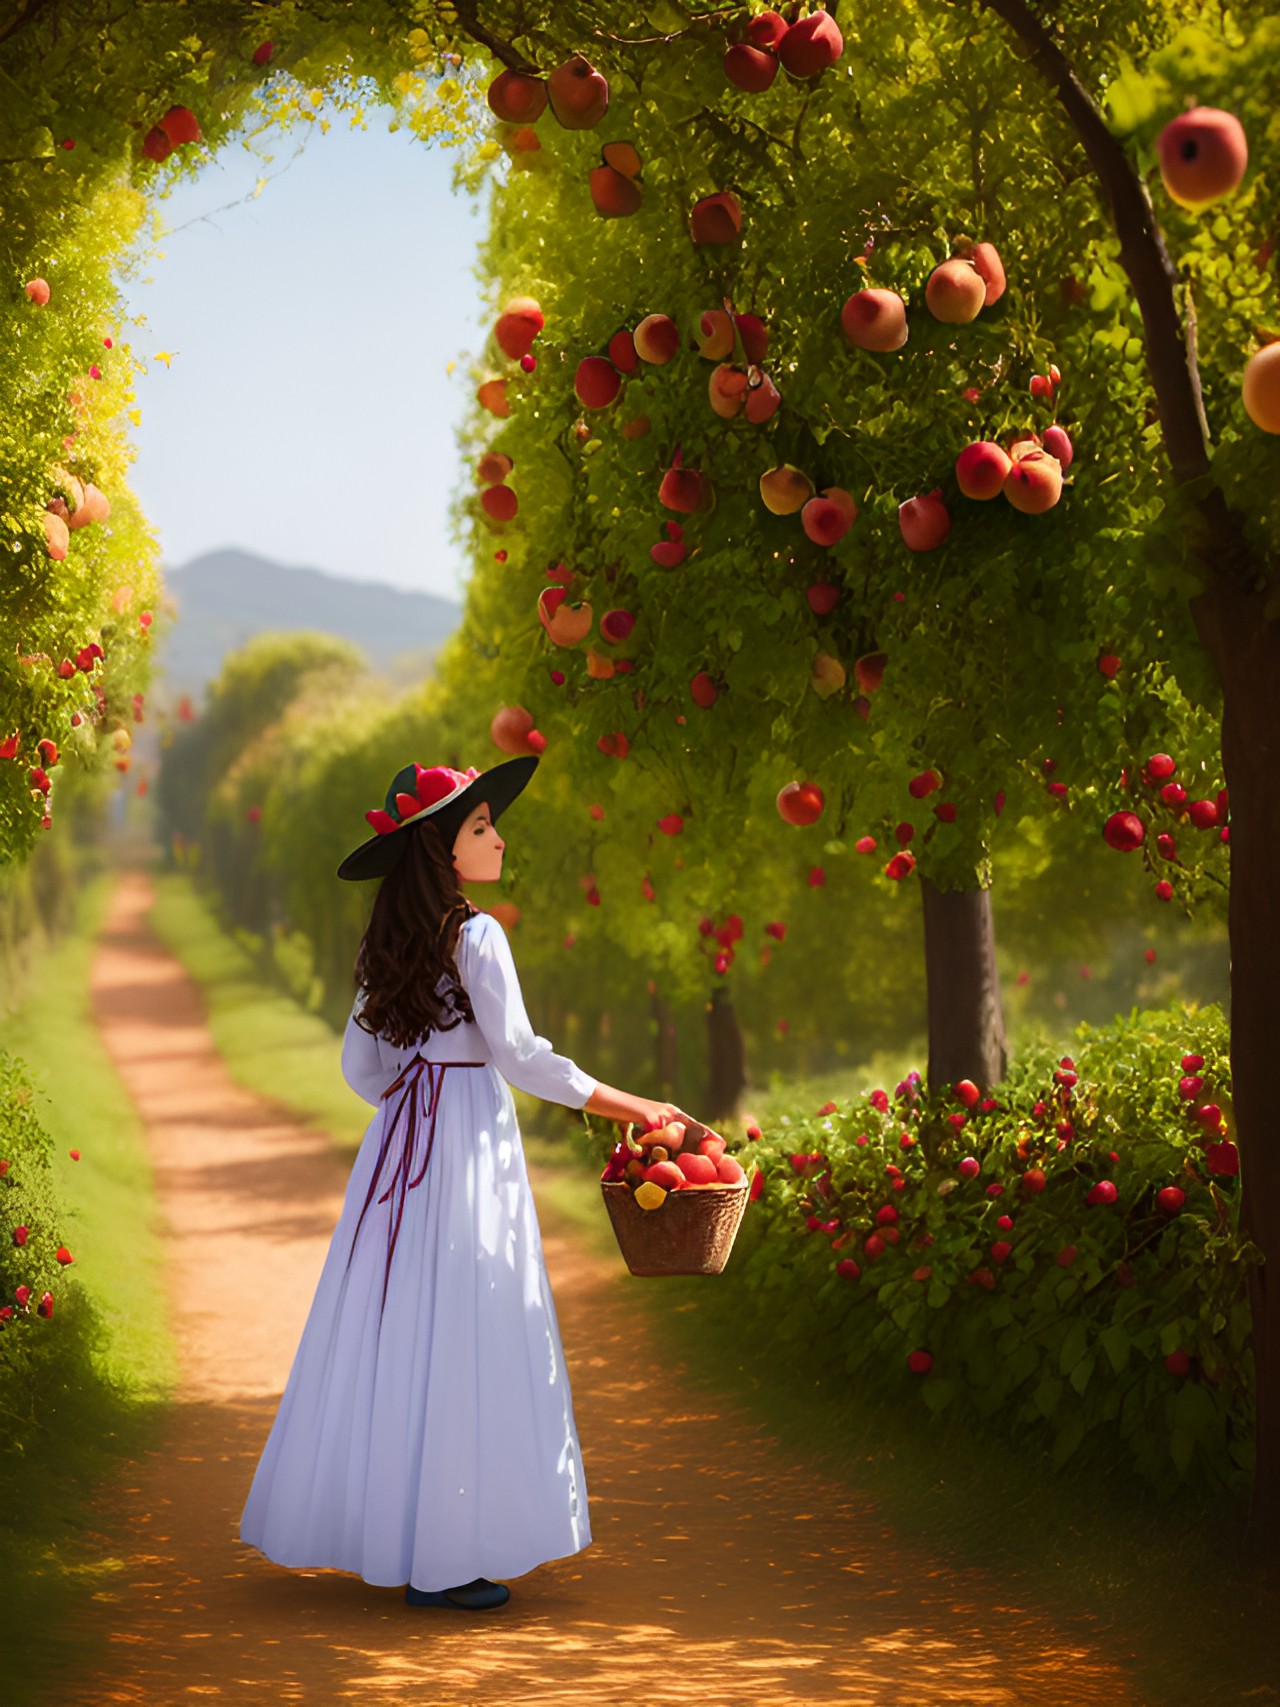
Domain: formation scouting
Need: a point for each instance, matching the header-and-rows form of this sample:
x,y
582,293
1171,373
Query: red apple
x,y
596,382
727,390
622,352
875,320
868,671
785,489
762,397
754,334
811,45
828,517
492,395
981,469
1203,155
492,467
684,489
703,690
766,29
716,219
499,502
823,597
1057,443
179,125
517,99
750,68
579,95
517,326
924,522
1123,831
800,803
38,291
613,195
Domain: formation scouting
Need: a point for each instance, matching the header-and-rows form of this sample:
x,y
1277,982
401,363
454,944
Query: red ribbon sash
x,y
401,1182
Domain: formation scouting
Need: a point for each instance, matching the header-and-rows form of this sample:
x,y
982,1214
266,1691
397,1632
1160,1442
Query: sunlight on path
x,y
723,1571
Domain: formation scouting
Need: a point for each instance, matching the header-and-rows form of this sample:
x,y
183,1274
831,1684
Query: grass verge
x,y
103,1396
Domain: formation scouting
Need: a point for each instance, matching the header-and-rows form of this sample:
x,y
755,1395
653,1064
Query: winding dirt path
x,y
728,1574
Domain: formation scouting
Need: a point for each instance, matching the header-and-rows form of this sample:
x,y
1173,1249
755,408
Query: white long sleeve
x,y
488,973
362,1065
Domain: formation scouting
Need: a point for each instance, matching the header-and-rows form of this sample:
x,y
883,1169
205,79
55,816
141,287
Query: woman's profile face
x,y
478,848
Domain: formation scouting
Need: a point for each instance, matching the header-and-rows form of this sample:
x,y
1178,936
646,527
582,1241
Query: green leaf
x,y
1115,1342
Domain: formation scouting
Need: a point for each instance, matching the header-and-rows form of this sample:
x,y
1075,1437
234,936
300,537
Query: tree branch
x,y
501,50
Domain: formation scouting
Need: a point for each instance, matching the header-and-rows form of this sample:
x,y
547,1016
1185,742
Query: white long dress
x,y
433,1440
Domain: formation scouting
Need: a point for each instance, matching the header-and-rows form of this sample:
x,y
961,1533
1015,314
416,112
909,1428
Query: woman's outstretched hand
x,y
651,1115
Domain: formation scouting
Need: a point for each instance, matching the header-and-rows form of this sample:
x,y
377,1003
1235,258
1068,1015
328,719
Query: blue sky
x,y
307,414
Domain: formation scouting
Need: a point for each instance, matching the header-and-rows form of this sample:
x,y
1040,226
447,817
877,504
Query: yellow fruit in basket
x,y
650,1196
658,1153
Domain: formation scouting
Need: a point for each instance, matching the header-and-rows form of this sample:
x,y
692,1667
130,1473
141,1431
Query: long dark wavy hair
x,y
410,941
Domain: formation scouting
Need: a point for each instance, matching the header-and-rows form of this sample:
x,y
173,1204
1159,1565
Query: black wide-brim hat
x,y
439,794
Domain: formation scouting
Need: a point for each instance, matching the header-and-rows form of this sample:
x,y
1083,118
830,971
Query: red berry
x,y
1033,1180
1171,1199
1108,664
1123,831
1203,814
1173,794
1160,766
1190,1087
1166,846
967,1092
886,1214
1000,1250
969,1167
1066,1256
1164,890
847,1269
1177,1362
1005,1223
1103,1192
996,1190
1192,1063
873,1244
920,1362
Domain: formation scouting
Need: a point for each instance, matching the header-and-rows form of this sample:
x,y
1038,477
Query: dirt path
x,y
728,1573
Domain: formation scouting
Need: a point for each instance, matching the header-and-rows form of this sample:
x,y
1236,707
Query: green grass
x,y
105,1395
1156,1583
269,1043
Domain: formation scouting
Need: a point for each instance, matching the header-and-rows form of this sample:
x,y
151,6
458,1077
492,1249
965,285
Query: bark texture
x,y
965,1011
726,1077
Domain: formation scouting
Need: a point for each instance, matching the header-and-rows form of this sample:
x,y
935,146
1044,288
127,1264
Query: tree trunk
x,y
1246,648
727,1076
966,1016
666,1055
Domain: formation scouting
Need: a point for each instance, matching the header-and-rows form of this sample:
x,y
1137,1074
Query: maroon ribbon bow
x,y
400,1177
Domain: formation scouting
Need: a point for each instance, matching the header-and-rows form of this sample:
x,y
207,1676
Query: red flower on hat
x,y
431,786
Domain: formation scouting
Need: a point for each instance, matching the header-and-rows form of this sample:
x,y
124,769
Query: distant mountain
x,y
224,598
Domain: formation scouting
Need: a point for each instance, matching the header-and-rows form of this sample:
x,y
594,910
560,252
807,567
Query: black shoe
x,y
475,1596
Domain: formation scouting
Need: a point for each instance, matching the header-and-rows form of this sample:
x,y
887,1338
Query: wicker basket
x,y
690,1232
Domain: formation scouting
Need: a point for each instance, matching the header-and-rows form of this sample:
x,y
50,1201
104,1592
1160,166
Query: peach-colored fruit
x,y
56,536
613,195
599,666
828,517
623,157
492,467
924,522
990,269
981,469
750,68
657,339
696,1168
58,507
729,1170
1023,445
800,803
565,623
579,95
1261,388
510,728
1203,155
785,489
1034,483
955,292
96,507
811,45
712,1145
516,98
524,140
727,389
38,291
875,320
596,382
715,335
716,219
492,395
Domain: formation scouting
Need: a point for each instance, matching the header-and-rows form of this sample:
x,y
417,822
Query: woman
x,y
426,1431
